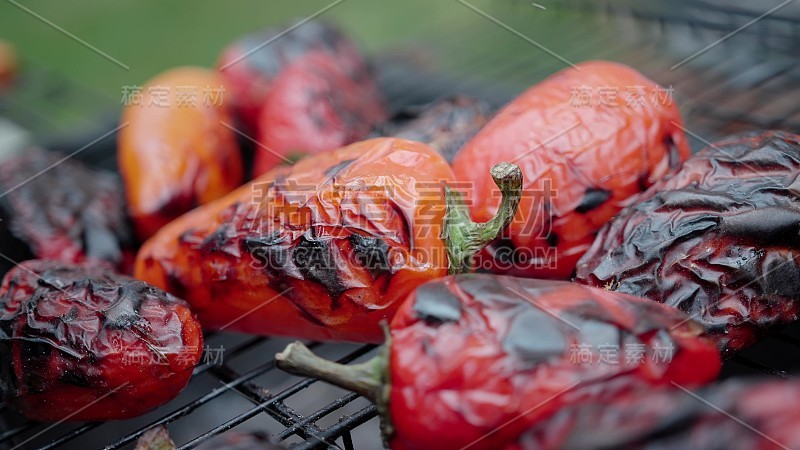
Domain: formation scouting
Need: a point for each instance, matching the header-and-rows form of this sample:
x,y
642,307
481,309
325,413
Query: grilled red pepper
x,y
79,342
717,240
477,359
669,418
72,213
446,124
251,64
177,149
328,247
315,105
587,139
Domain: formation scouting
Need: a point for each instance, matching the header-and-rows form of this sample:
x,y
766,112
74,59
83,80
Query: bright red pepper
x,y
475,360
583,152
324,249
80,343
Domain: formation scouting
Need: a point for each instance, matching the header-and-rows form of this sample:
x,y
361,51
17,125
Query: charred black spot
x,y
75,378
765,225
436,304
643,181
534,336
124,313
592,198
314,260
552,239
35,354
334,170
371,252
217,240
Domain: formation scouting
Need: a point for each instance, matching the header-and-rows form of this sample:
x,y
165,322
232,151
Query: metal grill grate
x,y
722,92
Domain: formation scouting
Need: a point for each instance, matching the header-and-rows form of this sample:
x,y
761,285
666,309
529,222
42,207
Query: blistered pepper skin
x,y
250,68
316,104
324,249
72,214
717,240
669,418
446,124
177,147
581,163
81,343
475,360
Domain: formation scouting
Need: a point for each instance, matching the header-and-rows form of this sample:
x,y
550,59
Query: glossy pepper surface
x,y
674,418
177,147
324,249
446,124
475,360
315,105
73,213
717,240
81,343
583,152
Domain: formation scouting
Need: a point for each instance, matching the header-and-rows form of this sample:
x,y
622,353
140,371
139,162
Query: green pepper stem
x,y
365,379
465,238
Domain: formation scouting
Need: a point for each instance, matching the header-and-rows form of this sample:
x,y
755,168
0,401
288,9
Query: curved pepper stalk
x,y
465,238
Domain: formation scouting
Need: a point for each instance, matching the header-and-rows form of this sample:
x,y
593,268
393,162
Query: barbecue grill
x,y
741,83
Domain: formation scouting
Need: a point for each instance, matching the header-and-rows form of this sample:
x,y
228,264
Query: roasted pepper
x,y
587,139
717,240
315,105
674,418
80,343
475,360
71,213
252,64
177,147
328,247
446,124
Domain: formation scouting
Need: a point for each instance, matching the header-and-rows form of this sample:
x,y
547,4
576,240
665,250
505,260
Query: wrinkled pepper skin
x,y
315,105
81,343
250,68
581,163
668,418
73,213
717,240
175,155
475,360
446,124
324,249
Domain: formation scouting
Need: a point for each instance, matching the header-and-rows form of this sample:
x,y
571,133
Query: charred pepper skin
x,y
324,249
250,68
74,214
174,153
475,360
315,105
582,164
717,240
668,418
446,124
81,343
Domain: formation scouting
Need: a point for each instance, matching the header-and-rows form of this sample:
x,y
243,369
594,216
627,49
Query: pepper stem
x,y
465,238
365,379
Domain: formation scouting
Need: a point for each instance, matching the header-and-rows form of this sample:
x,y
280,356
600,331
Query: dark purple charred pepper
x,y
78,342
718,240
72,213
445,125
671,418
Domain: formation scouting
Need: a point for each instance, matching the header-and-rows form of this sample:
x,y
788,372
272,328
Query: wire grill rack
x,y
740,83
